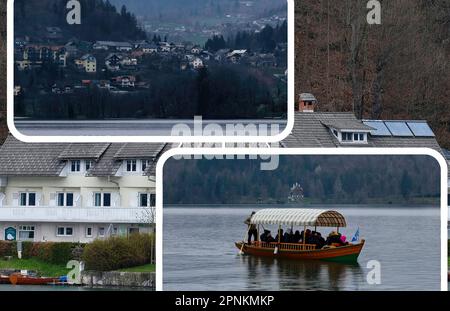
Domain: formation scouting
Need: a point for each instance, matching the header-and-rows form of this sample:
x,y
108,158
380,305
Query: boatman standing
x,y
252,231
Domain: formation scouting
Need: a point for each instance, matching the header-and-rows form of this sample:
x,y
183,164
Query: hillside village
x,y
119,67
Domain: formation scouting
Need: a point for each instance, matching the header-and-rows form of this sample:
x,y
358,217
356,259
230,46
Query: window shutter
x,y
134,200
15,201
115,197
2,197
38,199
52,201
77,199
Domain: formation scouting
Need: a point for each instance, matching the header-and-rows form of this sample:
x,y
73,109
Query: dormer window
x,y
144,164
75,166
351,137
88,164
131,165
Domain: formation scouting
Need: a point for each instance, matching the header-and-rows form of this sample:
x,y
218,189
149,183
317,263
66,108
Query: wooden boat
x,y
301,251
19,279
4,279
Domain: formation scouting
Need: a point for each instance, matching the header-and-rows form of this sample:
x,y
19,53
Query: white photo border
x,y
169,139
301,151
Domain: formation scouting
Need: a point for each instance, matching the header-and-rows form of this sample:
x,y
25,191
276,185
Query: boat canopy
x,y
298,217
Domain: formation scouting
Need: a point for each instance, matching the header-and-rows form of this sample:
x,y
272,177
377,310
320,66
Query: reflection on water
x,y
298,275
199,252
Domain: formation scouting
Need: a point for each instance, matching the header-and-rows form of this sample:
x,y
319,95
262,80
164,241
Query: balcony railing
x,y
76,214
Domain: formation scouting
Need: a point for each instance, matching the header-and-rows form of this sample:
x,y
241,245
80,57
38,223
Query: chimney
x,y
307,103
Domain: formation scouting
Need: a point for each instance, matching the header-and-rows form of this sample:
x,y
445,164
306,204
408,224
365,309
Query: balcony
x,y
75,214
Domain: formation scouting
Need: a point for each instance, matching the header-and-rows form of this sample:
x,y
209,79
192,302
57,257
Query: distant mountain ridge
x,y
173,9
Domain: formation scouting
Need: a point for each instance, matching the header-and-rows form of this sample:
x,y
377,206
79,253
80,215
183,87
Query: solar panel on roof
x,y
420,129
380,128
398,128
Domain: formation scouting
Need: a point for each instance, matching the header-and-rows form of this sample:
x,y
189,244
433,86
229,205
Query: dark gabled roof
x,y
21,159
138,151
83,151
107,165
49,159
151,168
311,130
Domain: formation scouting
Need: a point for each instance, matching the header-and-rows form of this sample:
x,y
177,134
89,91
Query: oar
x,y
243,242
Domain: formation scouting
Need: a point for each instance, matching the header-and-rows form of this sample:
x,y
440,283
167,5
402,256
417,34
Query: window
x,y
64,231
75,165
65,199
143,199
27,199
101,231
131,166
106,199
347,136
147,199
132,230
152,199
144,164
353,137
26,232
88,232
97,199
88,164
102,199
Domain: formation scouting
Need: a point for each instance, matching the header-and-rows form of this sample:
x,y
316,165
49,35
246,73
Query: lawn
x,y
145,268
43,268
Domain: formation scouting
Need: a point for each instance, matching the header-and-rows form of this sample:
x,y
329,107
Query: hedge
x,y
7,249
51,252
118,252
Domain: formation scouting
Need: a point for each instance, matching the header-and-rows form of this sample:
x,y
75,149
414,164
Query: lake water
x,y
199,252
156,127
7,287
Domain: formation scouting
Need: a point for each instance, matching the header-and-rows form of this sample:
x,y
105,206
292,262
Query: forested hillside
x,y
325,179
100,20
396,70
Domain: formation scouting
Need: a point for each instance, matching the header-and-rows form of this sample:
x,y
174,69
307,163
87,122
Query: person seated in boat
x,y
314,239
270,238
280,236
252,230
334,238
308,236
322,241
288,236
297,237
263,237
343,239
302,236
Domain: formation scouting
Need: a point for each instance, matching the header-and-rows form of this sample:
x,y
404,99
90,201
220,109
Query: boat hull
x,y
347,254
16,279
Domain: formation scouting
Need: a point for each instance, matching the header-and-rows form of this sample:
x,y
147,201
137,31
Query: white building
x,y
197,63
88,63
76,192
